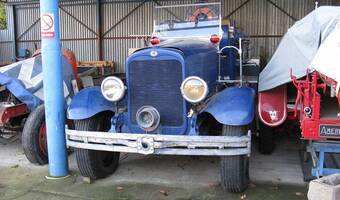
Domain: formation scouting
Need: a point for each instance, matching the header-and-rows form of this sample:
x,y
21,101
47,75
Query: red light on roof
x,y
155,41
214,39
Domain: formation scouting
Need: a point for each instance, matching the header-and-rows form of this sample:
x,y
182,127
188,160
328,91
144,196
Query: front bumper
x,y
160,144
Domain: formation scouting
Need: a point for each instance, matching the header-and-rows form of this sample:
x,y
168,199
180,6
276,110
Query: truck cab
x,y
186,94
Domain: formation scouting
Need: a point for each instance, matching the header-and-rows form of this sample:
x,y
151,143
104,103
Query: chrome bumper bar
x,y
160,144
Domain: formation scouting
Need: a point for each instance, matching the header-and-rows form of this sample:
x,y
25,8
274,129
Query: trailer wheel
x,y
91,163
34,140
266,139
234,169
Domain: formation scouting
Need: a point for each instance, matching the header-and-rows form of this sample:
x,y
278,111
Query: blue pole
x,y
53,88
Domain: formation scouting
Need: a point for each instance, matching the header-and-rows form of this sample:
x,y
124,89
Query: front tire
x,y
234,169
91,163
34,139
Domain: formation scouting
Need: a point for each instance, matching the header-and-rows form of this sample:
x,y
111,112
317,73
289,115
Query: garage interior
x,y
105,30
102,34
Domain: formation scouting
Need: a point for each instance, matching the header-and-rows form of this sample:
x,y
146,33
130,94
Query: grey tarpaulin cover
x,y
299,49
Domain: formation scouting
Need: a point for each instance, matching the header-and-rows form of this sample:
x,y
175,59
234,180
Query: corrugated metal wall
x,y
265,20
266,23
75,36
6,38
140,22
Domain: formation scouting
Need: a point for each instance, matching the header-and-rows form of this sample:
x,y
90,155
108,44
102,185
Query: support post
x,y
53,89
99,30
14,32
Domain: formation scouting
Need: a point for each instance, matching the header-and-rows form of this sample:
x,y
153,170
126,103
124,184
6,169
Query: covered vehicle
x,y
299,46
187,94
301,81
22,103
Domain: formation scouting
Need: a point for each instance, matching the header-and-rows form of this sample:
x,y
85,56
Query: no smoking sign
x,y
47,25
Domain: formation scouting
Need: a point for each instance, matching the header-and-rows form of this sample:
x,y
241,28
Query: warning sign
x,y
47,25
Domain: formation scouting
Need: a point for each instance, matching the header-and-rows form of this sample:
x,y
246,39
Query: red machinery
x,y
308,105
316,106
322,129
311,95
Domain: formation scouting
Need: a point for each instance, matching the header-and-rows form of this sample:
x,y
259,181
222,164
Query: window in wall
x,y
3,16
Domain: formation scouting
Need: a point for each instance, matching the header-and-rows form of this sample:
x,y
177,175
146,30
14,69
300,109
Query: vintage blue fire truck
x,y
191,92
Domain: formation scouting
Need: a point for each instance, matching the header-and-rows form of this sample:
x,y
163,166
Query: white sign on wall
x,y
47,25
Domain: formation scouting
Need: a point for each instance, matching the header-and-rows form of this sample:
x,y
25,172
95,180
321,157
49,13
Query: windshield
x,y
193,20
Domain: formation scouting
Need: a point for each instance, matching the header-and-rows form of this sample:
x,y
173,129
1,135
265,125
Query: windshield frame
x,y
166,8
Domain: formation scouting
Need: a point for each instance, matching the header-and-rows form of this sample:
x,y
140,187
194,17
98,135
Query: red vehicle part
x,y
43,139
9,112
309,100
273,106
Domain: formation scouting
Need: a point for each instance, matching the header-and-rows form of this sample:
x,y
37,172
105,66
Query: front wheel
x,y
91,163
34,139
234,169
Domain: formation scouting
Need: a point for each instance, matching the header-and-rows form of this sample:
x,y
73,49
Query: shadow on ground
x,y
274,177
22,183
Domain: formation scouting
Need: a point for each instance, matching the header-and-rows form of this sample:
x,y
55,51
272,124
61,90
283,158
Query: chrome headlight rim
x,y
206,89
121,85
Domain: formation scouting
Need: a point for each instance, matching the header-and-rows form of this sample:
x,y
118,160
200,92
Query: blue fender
x,y
233,106
87,103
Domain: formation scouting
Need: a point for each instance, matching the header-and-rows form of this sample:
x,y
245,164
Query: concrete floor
x,y
277,176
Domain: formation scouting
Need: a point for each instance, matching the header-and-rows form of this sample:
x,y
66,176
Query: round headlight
x,y
194,89
148,118
113,89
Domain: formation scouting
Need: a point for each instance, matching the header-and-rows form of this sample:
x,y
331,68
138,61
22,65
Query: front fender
x,y
87,103
233,106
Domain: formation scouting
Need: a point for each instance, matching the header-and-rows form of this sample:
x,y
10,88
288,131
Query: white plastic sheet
x,y
300,46
327,59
